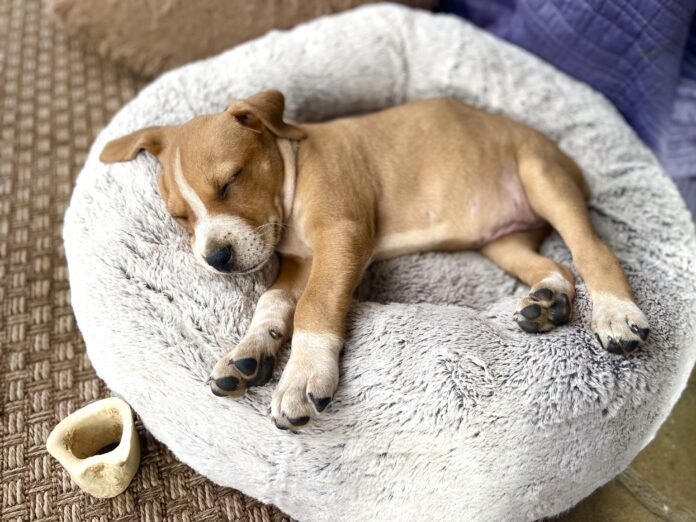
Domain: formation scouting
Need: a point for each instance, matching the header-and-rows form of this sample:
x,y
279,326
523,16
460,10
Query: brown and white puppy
x,y
331,197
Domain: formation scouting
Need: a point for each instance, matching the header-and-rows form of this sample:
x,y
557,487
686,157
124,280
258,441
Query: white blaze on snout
x,y
213,231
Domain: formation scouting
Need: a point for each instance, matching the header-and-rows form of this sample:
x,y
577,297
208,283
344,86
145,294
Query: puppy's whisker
x,y
266,225
276,229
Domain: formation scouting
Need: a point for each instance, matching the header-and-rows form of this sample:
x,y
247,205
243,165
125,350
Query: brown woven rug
x,y
54,98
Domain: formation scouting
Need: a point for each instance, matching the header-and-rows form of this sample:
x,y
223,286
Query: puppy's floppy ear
x,y
153,139
265,108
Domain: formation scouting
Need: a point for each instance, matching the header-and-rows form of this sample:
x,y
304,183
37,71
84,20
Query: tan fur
x,y
331,197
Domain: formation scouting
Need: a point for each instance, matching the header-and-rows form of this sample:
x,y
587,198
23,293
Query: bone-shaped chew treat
x,y
98,446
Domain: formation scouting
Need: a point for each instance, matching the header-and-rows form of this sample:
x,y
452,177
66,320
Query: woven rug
x,y
54,97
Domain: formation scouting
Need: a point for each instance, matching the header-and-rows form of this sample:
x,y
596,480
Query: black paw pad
x,y
559,311
529,326
299,421
614,347
320,404
265,372
543,294
228,384
631,346
532,311
246,366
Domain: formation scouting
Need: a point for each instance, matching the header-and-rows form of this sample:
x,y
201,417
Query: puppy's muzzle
x,y
222,258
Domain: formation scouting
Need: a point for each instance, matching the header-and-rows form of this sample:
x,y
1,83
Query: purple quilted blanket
x,y
640,53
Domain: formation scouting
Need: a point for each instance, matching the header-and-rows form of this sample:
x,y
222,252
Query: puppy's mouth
x,y
251,270
234,272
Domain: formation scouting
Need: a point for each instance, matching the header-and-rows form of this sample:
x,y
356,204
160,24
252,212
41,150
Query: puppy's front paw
x,y
548,304
251,363
619,325
308,382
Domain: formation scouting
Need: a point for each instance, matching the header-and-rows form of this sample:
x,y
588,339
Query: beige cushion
x,y
151,37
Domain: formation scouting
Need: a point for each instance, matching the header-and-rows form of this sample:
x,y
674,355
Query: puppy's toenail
x,y
319,404
599,340
543,294
265,372
531,312
614,347
246,366
640,332
529,326
299,421
631,346
228,384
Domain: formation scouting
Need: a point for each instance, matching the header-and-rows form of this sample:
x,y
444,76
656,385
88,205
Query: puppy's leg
x,y
310,378
550,299
251,362
554,190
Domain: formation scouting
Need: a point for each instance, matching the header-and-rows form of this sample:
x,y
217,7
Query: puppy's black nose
x,y
222,258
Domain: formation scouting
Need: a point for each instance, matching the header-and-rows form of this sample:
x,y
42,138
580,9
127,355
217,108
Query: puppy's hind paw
x,y
548,305
618,324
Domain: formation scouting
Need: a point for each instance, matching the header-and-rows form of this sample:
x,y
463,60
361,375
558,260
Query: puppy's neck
x,y
288,151
292,241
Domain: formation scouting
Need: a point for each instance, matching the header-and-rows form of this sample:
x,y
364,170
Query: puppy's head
x,y
221,179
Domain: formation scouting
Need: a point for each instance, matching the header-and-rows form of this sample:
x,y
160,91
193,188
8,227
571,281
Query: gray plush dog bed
x,y
446,409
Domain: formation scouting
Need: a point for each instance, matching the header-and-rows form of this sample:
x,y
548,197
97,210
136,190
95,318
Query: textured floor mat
x,y
54,97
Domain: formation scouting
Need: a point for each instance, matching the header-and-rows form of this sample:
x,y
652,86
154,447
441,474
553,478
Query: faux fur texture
x,y
446,410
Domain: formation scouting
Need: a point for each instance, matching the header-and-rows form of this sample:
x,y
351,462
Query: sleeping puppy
x,y
332,197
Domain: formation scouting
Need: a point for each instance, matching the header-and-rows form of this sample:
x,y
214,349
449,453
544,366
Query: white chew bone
x,y
79,440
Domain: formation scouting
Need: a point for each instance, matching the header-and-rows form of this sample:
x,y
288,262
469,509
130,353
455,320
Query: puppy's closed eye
x,y
225,189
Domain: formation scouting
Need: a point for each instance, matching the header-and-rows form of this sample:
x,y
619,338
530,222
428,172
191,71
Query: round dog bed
x,y
446,409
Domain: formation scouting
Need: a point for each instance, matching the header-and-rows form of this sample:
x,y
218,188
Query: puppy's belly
x,y
416,240
447,237
462,223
